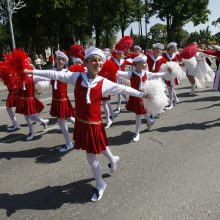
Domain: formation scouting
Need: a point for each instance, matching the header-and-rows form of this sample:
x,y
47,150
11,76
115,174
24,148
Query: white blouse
x,y
71,77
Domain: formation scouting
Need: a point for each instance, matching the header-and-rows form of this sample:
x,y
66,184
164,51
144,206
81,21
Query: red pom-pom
x,y
16,62
76,68
124,43
8,75
109,71
189,51
76,50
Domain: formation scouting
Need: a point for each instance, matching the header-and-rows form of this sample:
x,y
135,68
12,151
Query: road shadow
x,y
13,137
42,154
125,122
190,126
48,198
123,138
204,99
186,94
207,107
3,128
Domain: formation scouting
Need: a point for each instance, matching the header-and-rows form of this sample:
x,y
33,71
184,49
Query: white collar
x,y
89,84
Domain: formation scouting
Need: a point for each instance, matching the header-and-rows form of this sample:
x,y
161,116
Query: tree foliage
x,y
177,13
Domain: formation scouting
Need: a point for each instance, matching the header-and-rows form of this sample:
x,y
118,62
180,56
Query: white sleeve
x,y
151,75
63,76
40,78
109,87
123,74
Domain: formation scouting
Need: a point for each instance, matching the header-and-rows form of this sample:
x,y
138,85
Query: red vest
x,y
92,111
159,62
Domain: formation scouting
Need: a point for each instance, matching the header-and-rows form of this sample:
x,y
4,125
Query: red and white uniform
x,y
154,64
137,80
12,98
27,103
175,58
136,104
89,132
61,106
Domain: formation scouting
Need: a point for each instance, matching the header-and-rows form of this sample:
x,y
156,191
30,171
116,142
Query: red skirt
x,y
136,105
90,137
176,82
61,108
29,106
12,100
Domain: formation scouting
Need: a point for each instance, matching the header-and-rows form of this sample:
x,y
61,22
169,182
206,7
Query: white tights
x,y
108,110
62,124
12,116
96,167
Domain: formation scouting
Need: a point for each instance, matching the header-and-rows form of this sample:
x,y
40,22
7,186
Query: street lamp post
x,y
13,7
10,23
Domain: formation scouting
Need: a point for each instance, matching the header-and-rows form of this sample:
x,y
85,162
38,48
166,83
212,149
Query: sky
x,y
214,6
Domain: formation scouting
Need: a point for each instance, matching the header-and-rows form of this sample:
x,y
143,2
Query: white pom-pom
x,y
190,63
176,71
158,99
39,86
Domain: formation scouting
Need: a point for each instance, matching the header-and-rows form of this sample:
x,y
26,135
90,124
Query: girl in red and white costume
x,y
155,59
172,55
89,132
137,76
61,106
29,105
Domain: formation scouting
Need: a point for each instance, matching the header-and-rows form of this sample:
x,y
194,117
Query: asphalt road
x,y
173,172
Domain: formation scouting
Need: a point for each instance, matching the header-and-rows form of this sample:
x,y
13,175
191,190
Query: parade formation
x,y
146,82
109,110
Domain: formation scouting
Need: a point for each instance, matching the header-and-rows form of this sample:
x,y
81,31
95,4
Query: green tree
x,y
128,12
157,33
177,13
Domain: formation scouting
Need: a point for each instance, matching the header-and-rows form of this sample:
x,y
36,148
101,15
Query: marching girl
x,y
11,102
89,132
30,106
155,59
61,106
137,76
172,55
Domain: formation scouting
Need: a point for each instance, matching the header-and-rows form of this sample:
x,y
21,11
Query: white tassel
x,y
176,71
41,85
158,99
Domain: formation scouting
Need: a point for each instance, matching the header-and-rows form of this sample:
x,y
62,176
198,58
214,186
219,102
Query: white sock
x,y
96,169
138,124
170,90
175,96
149,120
62,124
12,116
119,101
36,117
106,110
29,123
110,108
108,154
